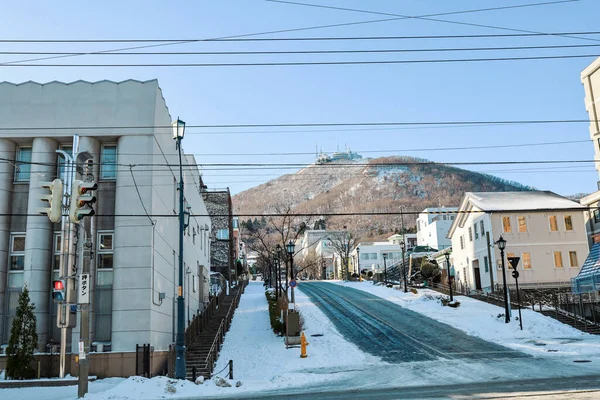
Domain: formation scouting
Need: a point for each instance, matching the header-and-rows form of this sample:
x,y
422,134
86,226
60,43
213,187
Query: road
x,y
395,334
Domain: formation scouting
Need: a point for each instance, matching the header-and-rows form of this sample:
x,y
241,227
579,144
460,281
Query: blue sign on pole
x,y
293,283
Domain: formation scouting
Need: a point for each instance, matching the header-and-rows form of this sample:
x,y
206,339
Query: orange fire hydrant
x,y
303,344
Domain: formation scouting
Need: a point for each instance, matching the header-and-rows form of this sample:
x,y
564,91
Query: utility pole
x,y
490,263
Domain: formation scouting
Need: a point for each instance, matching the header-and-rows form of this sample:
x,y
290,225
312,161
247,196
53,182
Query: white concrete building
x,y
590,77
135,255
371,254
544,229
433,225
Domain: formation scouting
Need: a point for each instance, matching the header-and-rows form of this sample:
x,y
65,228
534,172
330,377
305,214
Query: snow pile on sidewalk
x,y
541,335
260,360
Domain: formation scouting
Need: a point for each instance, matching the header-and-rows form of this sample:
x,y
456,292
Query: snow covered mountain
x,y
377,185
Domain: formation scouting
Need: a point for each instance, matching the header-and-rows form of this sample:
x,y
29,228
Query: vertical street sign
x,y
84,289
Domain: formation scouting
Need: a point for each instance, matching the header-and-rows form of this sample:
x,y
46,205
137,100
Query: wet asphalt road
x,y
395,334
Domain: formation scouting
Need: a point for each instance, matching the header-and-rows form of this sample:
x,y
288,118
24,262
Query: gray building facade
x,y
134,236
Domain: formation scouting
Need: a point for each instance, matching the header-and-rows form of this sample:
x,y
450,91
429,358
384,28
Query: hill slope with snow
x,y
377,185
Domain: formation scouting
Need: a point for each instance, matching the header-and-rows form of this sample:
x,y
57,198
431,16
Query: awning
x,y
588,279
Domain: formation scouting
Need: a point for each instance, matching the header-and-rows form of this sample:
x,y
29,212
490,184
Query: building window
x,y
57,252
17,261
476,233
558,263
108,162
508,255
194,235
470,234
482,227
194,283
486,264
105,252
462,242
597,215
223,234
522,222
526,260
568,223
553,223
23,164
506,225
573,259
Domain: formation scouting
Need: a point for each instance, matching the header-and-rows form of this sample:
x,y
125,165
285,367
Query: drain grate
x,y
582,361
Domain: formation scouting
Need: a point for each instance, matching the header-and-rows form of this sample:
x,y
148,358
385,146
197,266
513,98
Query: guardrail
x,y
215,347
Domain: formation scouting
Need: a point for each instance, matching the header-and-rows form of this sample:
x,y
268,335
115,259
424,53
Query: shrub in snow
x,y
199,380
238,384
23,340
454,304
414,291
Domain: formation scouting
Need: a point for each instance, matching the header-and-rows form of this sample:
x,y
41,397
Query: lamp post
x,y
402,248
385,268
290,250
502,245
358,263
324,269
447,255
279,251
180,370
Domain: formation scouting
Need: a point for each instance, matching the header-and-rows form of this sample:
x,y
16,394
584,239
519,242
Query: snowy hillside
x,y
382,184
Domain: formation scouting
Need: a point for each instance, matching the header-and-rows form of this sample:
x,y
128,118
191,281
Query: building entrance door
x,y
477,275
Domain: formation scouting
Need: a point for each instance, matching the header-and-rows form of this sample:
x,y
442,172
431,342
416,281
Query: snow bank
x,y
541,335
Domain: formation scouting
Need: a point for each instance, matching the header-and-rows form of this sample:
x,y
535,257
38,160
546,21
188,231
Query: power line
x,y
319,38
427,17
362,151
277,52
308,63
307,124
237,37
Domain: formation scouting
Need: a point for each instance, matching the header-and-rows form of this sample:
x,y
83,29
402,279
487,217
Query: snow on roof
x,y
512,201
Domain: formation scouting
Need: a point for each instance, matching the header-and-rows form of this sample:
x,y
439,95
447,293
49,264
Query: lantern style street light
x,y
385,268
290,250
402,248
447,255
180,370
502,245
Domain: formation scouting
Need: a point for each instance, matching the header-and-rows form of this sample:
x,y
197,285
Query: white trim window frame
x,y
16,261
105,251
23,164
108,162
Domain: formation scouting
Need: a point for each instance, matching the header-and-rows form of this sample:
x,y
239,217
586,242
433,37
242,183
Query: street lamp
x,y
385,268
290,250
447,255
502,245
358,263
402,248
180,370
279,251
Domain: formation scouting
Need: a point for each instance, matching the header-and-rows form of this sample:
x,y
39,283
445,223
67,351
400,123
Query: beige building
x,y
545,230
590,77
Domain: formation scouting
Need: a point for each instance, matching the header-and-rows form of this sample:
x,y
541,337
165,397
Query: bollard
x,y
194,374
303,344
230,369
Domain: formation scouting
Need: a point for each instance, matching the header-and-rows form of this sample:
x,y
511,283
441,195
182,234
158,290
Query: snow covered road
x,y
397,334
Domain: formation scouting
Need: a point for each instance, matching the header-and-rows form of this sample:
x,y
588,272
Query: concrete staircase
x,y
204,349
577,323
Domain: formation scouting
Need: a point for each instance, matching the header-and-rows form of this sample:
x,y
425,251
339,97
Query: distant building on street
x,y
433,225
545,230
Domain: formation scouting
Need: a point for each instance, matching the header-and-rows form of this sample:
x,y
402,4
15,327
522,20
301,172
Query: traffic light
x,y
59,289
54,199
82,199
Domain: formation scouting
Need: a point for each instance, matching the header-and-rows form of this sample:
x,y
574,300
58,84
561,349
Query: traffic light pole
x,y
84,333
67,254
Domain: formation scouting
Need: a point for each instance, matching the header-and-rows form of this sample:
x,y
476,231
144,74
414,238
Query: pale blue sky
x,y
522,90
